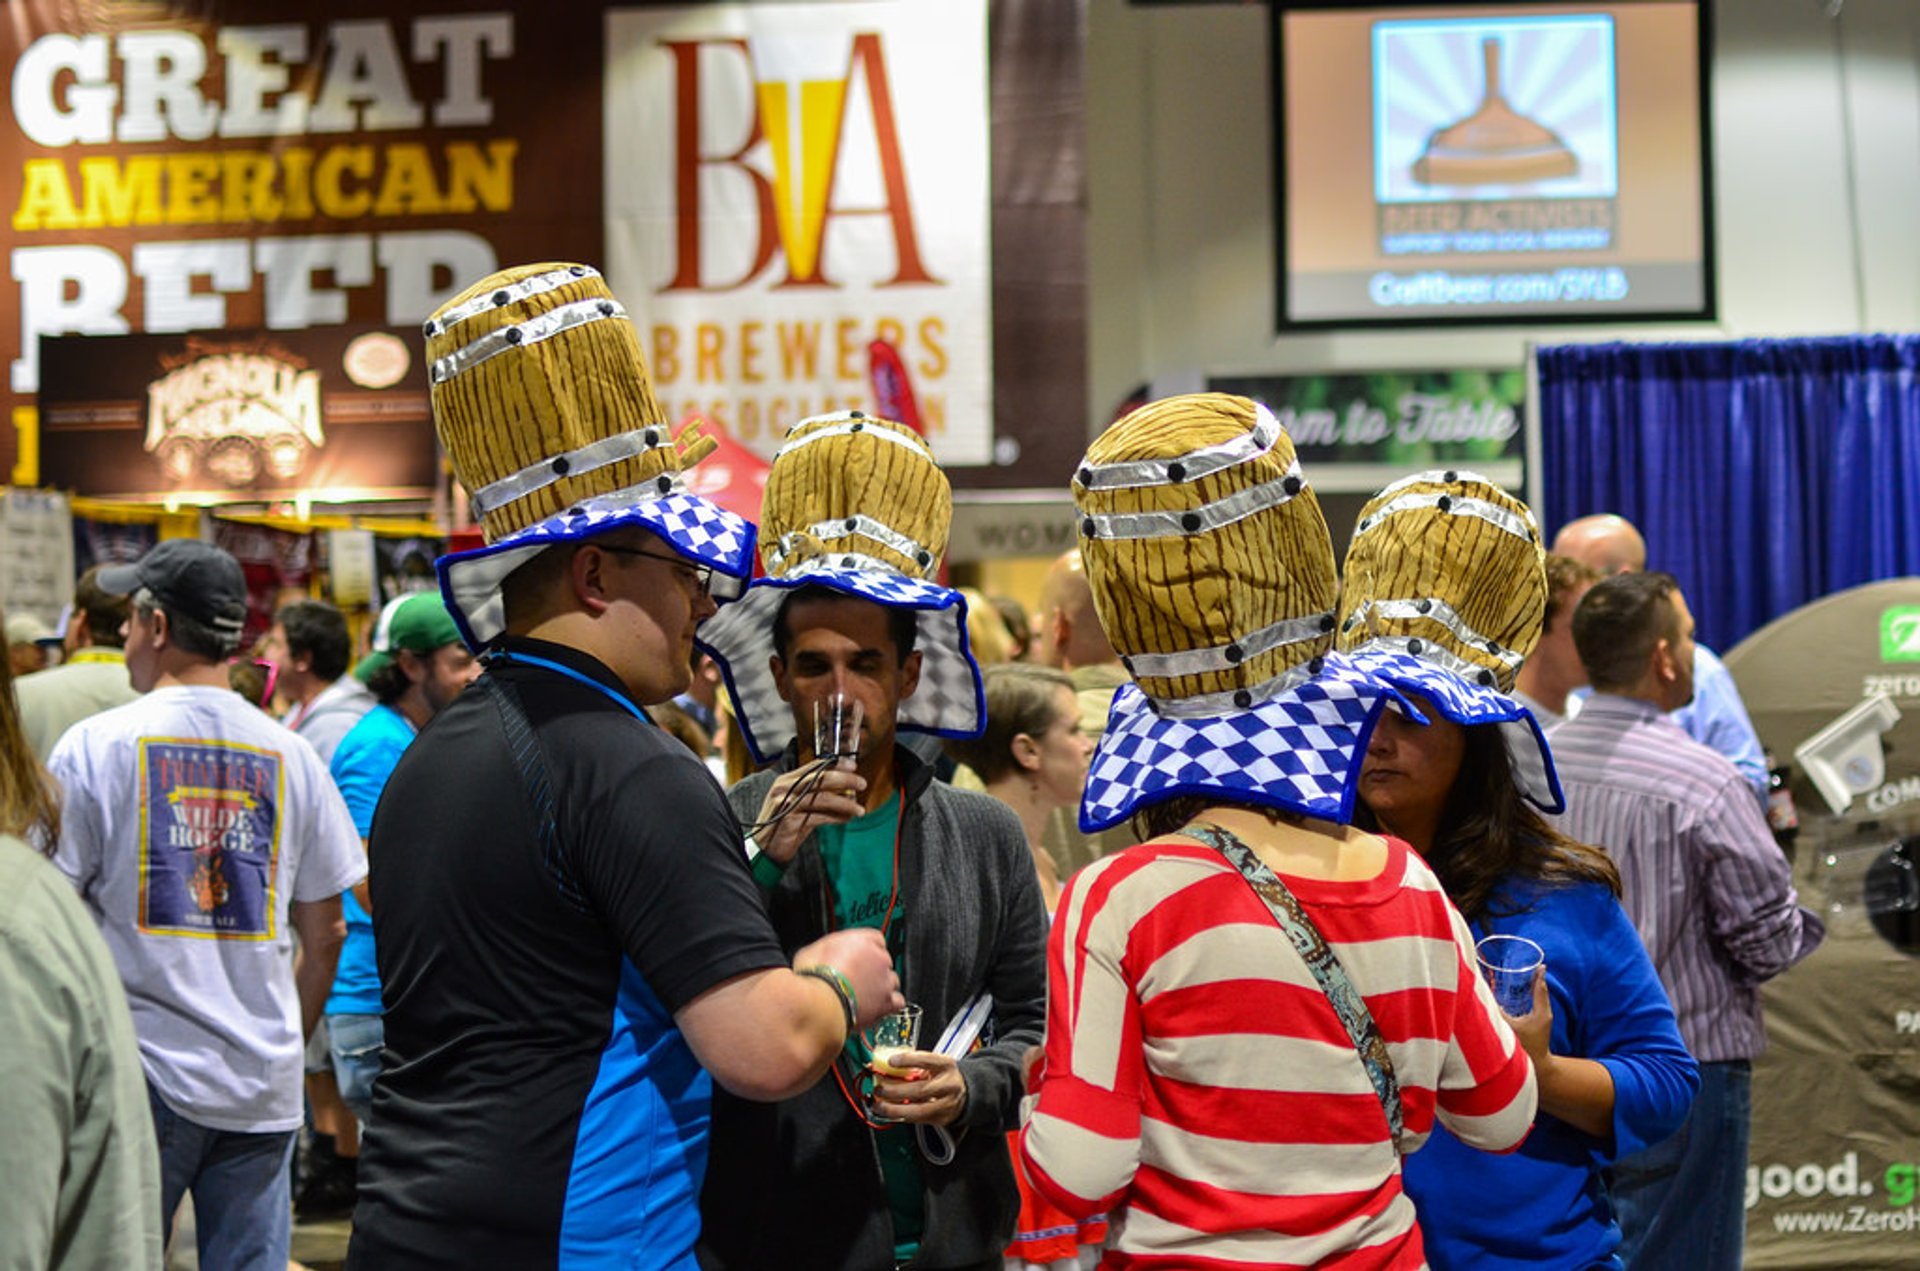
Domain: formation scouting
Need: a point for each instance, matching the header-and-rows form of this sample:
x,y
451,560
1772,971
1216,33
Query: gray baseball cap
x,y
193,579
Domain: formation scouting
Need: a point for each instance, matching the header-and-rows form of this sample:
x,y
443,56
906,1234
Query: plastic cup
x,y
890,1036
836,727
1508,963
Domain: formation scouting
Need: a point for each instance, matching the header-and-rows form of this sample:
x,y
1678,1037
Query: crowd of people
x,y
627,905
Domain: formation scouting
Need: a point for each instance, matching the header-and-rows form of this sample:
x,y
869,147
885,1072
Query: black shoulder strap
x,y
524,745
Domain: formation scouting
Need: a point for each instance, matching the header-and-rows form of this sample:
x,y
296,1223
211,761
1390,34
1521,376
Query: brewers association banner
x,y
788,183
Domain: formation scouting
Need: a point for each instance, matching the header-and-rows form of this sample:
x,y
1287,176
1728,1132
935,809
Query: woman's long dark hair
x,y
29,799
1488,834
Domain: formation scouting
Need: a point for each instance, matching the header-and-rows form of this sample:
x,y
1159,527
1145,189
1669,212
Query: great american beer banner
x,y
787,183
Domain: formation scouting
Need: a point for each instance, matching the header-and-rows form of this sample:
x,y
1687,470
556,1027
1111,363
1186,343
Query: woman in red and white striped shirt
x,y
1199,1083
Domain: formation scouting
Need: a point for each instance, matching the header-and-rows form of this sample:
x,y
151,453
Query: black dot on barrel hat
x,y
652,437
1243,699
1415,646
561,466
1316,666
1326,622
1446,503
1084,476
430,328
855,414
1424,606
1235,655
1449,476
1126,664
1190,522
606,308
925,558
1291,485
663,483
1176,472
578,271
502,297
514,336
1493,647
1088,528
852,523
847,562
857,428
1485,678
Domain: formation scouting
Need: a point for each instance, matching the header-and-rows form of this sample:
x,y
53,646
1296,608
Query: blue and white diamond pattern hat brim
x,y
1468,704
1299,751
702,531
951,700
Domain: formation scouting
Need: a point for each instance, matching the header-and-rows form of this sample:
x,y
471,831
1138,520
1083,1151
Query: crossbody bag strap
x,y
1321,960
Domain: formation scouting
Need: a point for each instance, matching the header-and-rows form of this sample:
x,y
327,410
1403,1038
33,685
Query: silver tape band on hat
x,y
1435,476
1227,656
1198,520
1432,654
1437,611
1231,701
541,326
1456,505
840,527
840,562
499,297
847,427
573,463
1139,473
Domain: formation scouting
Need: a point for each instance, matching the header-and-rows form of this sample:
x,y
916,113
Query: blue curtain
x,y
1764,473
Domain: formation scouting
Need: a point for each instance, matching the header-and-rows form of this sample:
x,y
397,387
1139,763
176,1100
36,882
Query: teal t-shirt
x,y
859,862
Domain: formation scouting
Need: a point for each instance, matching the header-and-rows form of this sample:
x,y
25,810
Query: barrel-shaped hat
x,y
544,404
859,506
1444,595
1213,575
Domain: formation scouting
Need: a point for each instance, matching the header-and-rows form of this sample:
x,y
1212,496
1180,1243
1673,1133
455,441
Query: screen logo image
x,y
1495,135
209,815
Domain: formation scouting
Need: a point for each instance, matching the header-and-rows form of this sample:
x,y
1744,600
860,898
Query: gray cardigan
x,y
800,1180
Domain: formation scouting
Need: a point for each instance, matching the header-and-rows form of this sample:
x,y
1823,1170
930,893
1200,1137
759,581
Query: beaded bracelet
x,y
842,989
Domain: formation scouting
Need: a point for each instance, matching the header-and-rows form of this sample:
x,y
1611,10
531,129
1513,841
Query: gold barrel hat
x,y
543,401
1213,574
1445,593
856,504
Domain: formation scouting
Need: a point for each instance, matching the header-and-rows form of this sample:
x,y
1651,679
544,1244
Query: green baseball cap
x,y
418,622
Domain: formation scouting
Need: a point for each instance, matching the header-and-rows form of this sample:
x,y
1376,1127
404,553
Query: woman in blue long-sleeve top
x,y
1614,1075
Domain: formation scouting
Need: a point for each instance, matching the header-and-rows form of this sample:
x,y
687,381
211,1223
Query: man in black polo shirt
x,y
568,939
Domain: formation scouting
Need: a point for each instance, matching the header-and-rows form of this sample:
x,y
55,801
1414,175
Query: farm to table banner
x,y
786,183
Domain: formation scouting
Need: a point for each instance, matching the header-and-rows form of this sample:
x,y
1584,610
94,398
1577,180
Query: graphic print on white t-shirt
x,y
209,838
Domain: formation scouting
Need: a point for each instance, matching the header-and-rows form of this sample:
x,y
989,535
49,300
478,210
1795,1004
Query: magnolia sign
x,y
786,183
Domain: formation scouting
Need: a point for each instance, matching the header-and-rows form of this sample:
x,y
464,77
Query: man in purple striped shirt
x,y
1708,890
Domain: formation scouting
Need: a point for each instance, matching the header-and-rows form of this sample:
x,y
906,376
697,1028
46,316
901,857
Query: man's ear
x,y
778,669
587,576
910,675
1664,669
412,665
162,628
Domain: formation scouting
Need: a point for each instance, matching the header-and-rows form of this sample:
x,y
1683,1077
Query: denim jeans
x,y
243,1212
356,1041
1682,1203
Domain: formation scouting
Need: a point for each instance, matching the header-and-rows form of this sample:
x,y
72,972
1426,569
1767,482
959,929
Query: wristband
x,y
849,1001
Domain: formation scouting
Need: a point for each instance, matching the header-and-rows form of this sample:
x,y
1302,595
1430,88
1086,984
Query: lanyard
x,y
528,658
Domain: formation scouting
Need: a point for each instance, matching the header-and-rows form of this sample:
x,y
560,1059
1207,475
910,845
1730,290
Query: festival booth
x,y
1834,1175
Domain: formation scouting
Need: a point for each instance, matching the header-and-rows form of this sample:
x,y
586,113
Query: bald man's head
x,y
1607,543
1070,633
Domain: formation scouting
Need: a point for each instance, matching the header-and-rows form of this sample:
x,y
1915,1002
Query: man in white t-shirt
x,y
194,828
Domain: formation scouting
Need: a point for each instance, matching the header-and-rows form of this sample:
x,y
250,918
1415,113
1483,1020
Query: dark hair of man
x,y
318,630
188,634
1565,575
1489,834
29,798
1020,699
389,683
903,625
1618,623
105,613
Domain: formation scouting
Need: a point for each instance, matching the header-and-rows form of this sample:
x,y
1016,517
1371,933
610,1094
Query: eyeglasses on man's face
x,y
699,576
